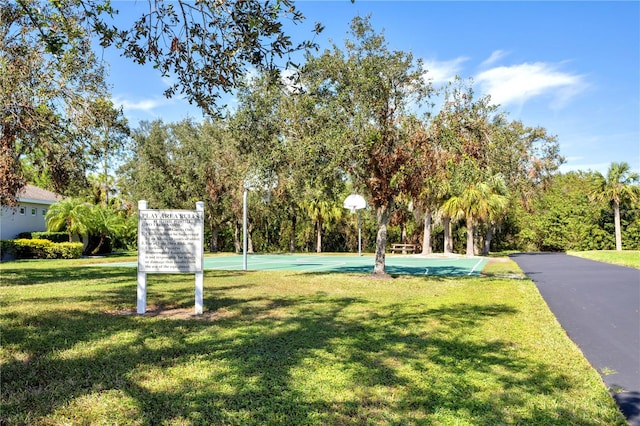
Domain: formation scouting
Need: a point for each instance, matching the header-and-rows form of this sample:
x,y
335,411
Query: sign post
x,y
170,241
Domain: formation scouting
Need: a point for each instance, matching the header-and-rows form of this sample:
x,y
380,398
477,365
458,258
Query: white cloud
x,y
146,105
496,55
443,71
517,84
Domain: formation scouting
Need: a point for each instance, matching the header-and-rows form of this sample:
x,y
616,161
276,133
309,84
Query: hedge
x,y
56,237
42,249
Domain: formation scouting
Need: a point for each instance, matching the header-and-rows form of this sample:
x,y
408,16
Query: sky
x,y
571,67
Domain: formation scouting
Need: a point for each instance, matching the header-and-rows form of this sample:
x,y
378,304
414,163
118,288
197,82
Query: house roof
x,y
33,194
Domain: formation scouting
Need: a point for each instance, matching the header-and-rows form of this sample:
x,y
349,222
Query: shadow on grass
x,y
30,276
394,269
315,359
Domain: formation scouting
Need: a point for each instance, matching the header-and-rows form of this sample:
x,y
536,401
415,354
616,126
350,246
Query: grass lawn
x,y
287,348
629,258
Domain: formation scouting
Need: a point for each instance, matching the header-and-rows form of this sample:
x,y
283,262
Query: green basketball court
x,y
309,263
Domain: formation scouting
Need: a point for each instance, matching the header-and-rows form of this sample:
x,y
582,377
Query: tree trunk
x,y
487,241
446,224
616,221
319,236
249,239
292,238
426,236
476,240
383,216
214,239
103,238
469,237
236,238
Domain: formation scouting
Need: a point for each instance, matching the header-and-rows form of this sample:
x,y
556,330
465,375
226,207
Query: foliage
x,y
7,250
323,213
370,89
56,114
45,249
107,144
475,146
103,224
56,237
98,226
620,184
206,46
47,96
477,202
562,218
350,119
286,349
566,216
209,46
70,214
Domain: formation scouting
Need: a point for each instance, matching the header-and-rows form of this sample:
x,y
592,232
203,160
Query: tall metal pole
x,y
244,230
359,236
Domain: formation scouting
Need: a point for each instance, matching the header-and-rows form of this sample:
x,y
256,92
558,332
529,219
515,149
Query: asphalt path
x,y
598,305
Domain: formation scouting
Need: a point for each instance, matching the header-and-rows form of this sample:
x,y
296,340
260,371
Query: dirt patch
x,y
178,313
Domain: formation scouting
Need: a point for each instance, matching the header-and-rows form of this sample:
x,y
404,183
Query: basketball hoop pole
x,y
355,203
244,229
359,236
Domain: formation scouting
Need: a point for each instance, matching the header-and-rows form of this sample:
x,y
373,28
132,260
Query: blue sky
x,y
571,67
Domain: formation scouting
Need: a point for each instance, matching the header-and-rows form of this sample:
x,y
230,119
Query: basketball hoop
x,y
355,202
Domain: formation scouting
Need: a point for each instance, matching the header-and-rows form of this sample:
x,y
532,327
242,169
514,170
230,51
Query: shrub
x,y
45,249
68,250
7,250
31,249
56,237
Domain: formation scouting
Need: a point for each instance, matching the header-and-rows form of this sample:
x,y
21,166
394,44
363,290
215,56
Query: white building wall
x,y
25,217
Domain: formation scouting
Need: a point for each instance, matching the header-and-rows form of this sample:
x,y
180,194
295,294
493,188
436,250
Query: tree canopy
x,y
370,90
355,118
50,77
47,96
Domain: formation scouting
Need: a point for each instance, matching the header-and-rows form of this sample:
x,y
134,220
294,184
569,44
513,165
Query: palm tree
x,y
498,204
70,214
475,203
620,184
105,222
322,213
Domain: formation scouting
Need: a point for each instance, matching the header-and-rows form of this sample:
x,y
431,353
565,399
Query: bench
x,y
403,248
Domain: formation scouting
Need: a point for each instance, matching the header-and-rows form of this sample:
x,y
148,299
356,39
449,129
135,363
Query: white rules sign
x,y
170,241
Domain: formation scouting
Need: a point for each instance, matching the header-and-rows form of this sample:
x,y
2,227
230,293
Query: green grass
x,y
285,348
630,258
502,267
